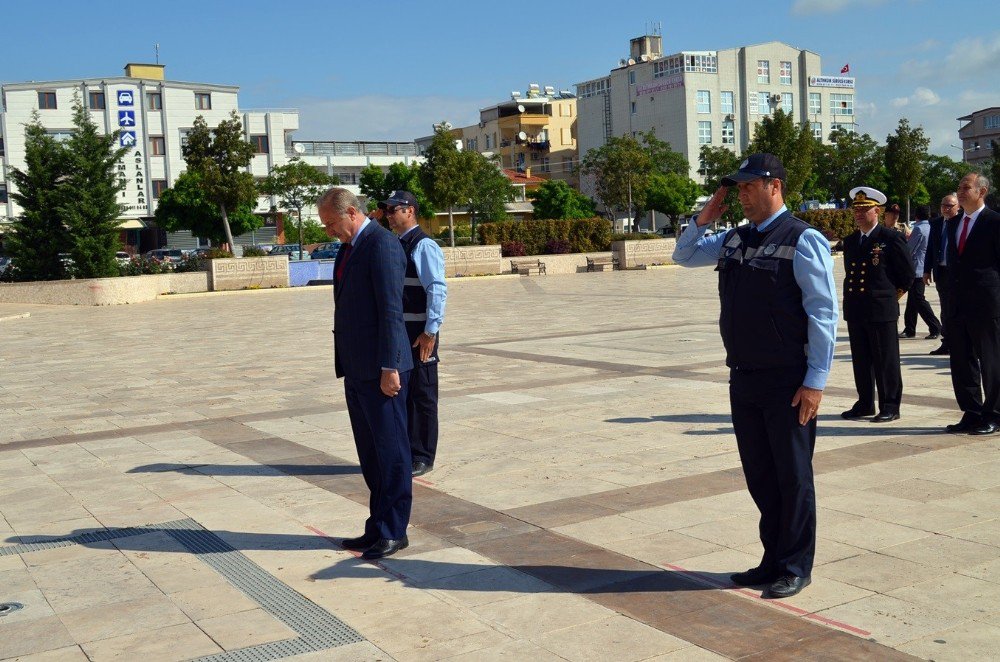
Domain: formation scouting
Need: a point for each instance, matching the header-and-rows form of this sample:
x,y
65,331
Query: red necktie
x,y
965,234
345,252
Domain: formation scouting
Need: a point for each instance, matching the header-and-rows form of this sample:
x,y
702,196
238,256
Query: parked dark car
x,y
327,251
291,251
171,255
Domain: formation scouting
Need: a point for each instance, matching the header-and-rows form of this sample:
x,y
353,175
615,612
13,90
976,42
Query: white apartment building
x,y
155,116
696,98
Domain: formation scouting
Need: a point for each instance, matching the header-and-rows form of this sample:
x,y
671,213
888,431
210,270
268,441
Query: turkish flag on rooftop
x,y
846,69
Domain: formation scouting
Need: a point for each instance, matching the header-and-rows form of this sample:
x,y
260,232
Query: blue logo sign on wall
x,y
127,139
126,118
126,98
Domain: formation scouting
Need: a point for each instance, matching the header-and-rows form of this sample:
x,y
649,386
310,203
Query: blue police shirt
x,y
813,269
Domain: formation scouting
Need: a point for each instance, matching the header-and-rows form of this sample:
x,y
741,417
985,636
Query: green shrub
x,y
141,266
582,235
190,263
253,251
512,249
834,224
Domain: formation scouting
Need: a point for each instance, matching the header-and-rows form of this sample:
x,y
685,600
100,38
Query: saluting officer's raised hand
x,y
714,210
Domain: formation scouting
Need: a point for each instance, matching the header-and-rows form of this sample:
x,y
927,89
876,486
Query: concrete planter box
x,y
632,254
103,291
248,273
474,261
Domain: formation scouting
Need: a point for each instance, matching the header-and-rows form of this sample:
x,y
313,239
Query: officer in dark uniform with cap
x,y
778,323
879,270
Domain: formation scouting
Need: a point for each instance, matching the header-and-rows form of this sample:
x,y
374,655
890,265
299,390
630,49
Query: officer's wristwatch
x,y
430,336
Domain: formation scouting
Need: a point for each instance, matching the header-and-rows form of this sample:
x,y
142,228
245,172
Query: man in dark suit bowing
x,y
974,308
372,354
936,262
879,270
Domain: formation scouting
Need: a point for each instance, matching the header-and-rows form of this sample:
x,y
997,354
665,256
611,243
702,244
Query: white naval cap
x,y
866,196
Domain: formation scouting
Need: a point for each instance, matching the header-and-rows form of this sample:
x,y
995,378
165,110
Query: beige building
x,y
717,98
980,130
536,130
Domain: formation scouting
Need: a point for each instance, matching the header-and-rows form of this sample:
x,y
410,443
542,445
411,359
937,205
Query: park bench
x,y
602,263
527,267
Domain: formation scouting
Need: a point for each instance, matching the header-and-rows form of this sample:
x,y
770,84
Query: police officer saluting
x,y
878,272
778,322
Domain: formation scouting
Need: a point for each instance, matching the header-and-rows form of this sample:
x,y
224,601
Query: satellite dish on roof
x,y
631,62
299,148
521,135
520,108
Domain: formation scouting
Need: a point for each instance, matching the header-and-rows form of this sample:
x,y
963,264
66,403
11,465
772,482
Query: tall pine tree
x,y
90,208
39,234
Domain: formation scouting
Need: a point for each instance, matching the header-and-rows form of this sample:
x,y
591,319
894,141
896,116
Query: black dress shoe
x,y
904,334
984,428
857,411
786,587
754,576
420,468
385,547
358,544
965,425
940,351
933,335
885,417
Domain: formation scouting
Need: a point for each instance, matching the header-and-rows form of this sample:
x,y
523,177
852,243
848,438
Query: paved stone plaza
x,y
587,502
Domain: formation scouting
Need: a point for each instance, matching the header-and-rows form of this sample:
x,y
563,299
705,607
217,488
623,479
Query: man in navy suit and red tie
x,y
974,308
372,354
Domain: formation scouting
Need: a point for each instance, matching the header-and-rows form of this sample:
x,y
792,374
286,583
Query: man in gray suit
x,y
372,354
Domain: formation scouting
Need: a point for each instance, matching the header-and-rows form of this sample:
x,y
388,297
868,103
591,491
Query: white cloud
x,y
972,59
812,7
922,96
379,117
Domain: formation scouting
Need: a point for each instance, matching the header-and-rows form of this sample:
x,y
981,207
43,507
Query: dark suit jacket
x,y
931,260
874,273
974,278
368,329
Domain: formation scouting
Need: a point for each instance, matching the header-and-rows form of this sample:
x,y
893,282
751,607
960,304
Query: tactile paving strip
x,y
317,628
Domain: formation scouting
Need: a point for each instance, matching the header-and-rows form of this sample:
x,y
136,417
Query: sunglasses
x,y
392,210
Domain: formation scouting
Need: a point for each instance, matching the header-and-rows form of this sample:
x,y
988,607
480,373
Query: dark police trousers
x,y
379,425
422,407
776,453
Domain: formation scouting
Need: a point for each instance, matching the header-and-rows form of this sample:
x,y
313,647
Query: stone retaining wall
x,y
474,261
643,252
103,291
249,272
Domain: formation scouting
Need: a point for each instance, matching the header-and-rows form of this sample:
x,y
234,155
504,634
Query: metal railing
x,y
355,148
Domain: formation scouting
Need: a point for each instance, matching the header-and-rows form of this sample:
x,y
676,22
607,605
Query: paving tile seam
x,y
503,556
317,629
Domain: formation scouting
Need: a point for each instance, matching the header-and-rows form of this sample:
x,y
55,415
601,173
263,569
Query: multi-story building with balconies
x,y
696,98
980,131
155,116
535,131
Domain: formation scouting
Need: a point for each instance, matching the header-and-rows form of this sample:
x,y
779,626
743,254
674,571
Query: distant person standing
x,y
890,219
878,271
936,263
916,302
424,295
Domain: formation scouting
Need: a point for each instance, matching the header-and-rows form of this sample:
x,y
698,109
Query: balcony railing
x,y
356,148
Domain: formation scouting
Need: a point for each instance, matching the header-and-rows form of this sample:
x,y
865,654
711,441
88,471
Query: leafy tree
x,y
185,206
313,232
621,169
39,234
794,145
220,157
491,190
716,163
90,208
296,184
445,176
376,185
905,153
672,194
849,160
557,199
664,159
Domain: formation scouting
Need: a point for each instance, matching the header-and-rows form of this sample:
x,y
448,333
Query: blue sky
x,y
380,70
